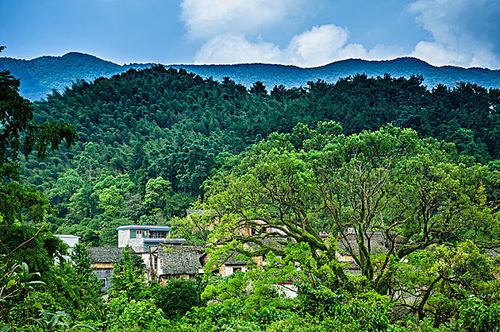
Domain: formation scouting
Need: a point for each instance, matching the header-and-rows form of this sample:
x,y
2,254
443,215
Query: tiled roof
x,y
179,259
234,258
104,254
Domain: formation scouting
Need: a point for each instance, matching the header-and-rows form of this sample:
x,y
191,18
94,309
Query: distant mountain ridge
x,y
41,75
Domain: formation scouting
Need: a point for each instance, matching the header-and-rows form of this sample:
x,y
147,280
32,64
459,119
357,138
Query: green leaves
x,y
178,296
383,195
59,321
16,280
128,279
135,315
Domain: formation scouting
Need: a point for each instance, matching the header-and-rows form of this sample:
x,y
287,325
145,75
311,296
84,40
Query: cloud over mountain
x,y
318,46
463,32
232,48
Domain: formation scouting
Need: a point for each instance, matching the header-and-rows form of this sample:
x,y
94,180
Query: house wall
x,y
71,241
227,270
163,279
102,266
123,237
104,275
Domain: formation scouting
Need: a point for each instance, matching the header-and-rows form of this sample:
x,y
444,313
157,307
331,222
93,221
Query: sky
x,y
305,33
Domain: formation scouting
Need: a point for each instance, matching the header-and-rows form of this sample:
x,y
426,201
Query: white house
x,y
141,237
71,241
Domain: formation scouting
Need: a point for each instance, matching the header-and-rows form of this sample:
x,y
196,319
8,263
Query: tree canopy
x,y
342,194
167,123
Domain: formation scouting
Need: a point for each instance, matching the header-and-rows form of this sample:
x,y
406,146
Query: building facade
x,y
141,237
103,260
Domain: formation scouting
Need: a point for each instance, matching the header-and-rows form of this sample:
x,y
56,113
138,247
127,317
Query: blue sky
x,y
301,32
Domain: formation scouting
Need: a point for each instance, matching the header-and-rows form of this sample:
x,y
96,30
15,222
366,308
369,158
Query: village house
x,y
103,260
141,237
167,258
232,265
179,261
376,241
145,240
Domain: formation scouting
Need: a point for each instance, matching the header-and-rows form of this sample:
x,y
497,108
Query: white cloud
x,y
231,49
209,18
438,54
318,46
464,32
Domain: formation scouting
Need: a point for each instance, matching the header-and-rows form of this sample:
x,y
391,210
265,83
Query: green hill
x,y
168,130
39,76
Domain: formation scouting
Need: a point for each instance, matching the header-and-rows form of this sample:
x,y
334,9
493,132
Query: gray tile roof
x,y
179,259
234,258
104,254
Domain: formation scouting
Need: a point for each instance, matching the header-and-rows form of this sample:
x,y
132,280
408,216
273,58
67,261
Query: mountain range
x,y
41,75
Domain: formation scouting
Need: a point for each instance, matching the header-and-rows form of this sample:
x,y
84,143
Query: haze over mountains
x,y
41,75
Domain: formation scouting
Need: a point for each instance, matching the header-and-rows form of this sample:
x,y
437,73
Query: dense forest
x,y
41,75
303,168
168,130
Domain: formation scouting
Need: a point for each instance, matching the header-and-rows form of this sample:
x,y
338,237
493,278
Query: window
x,y
158,234
236,269
139,234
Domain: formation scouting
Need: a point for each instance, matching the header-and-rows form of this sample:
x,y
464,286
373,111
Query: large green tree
x,y
379,195
23,246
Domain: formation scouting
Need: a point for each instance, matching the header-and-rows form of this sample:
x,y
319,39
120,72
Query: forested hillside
x,y
144,133
40,75
317,191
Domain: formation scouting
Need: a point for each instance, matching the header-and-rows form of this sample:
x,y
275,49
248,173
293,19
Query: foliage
x,y
135,315
15,283
177,297
27,251
302,207
446,281
128,279
386,193
59,321
170,124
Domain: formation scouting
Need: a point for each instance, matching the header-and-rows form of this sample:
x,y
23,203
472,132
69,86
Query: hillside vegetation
x,y
318,189
168,130
40,76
